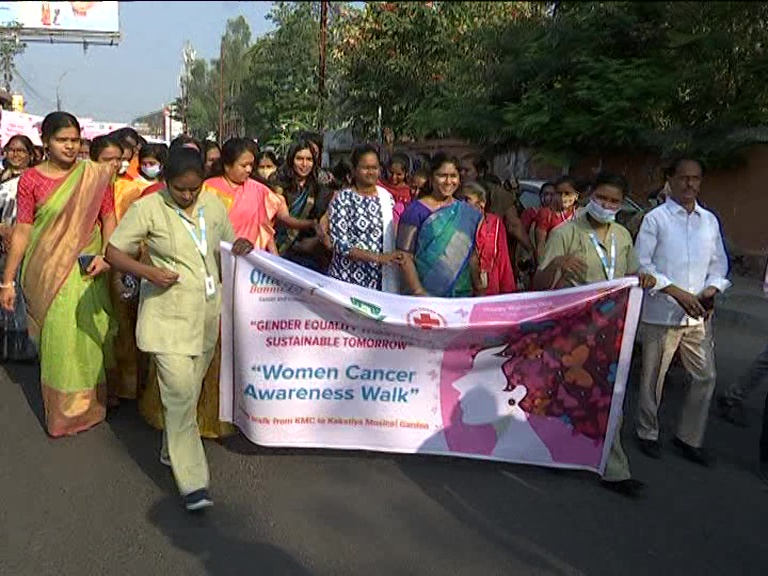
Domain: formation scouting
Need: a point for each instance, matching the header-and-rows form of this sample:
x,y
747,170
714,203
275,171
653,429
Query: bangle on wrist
x,y
11,284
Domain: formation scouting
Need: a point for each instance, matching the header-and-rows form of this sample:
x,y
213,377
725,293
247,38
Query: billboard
x,y
62,18
12,123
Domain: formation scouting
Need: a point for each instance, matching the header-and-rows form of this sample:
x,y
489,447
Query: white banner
x,y
536,378
30,125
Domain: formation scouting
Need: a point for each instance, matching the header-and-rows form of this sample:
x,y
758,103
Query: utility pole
x,y
58,95
221,93
185,80
321,79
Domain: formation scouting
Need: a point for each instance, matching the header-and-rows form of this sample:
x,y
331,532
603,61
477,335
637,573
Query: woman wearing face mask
x,y
132,143
438,234
65,219
594,248
307,200
15,343
127,190
152,156
182,228
266,164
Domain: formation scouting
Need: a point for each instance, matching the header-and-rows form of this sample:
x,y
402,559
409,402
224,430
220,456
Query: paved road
x,y
100,503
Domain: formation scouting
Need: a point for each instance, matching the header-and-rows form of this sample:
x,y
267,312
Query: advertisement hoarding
x,y
50,19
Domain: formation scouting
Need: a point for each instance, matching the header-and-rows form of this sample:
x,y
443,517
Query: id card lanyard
x,y
202,247
608,267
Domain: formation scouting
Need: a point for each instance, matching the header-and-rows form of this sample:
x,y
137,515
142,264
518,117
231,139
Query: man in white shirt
x,y
680,244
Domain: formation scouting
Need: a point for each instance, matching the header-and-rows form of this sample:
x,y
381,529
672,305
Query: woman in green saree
x,y
65,218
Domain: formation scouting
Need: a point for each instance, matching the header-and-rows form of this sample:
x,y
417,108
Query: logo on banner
x,y
367,308
262,283
425,319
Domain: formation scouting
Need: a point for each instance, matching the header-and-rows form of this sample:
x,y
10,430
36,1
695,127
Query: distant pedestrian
x,y
730,404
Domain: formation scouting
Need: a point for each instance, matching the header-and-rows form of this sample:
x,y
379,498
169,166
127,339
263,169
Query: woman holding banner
x,y
182,229
252,208
362,228
593,248
307,199
65,218
438,234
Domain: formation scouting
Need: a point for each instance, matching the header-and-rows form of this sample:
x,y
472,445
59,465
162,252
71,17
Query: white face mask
x,y
600,213
152,171
124,167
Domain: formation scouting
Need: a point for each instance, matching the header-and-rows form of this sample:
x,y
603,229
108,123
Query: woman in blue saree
x,y
438,232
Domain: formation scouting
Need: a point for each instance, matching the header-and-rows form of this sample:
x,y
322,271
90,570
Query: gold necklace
x,y
232,185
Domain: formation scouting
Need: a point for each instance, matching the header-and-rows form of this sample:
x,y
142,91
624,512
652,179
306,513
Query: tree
x,y
235,44
201,108
10,48
426,64
203,90
665,77
280,93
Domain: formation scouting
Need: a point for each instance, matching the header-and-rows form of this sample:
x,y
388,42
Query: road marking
x,y
521,481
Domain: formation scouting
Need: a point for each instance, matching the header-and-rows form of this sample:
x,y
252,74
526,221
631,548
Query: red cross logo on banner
x,y
425,319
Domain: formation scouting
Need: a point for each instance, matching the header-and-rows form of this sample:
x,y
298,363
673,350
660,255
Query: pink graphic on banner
x,y
551,379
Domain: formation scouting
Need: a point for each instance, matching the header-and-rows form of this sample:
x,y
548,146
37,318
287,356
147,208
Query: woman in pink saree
x,y
253,207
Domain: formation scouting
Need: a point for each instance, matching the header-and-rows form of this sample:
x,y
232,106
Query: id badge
x,y
483,279
210,287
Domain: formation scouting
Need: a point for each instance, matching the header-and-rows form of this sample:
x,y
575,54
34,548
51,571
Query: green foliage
x,y
566,78
667,77
202,106
281,92
427,64
10,48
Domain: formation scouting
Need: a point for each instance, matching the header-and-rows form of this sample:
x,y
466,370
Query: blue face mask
x,y
151,171
600,213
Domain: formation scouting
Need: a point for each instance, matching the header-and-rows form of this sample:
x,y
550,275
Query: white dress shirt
x,y
682,249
